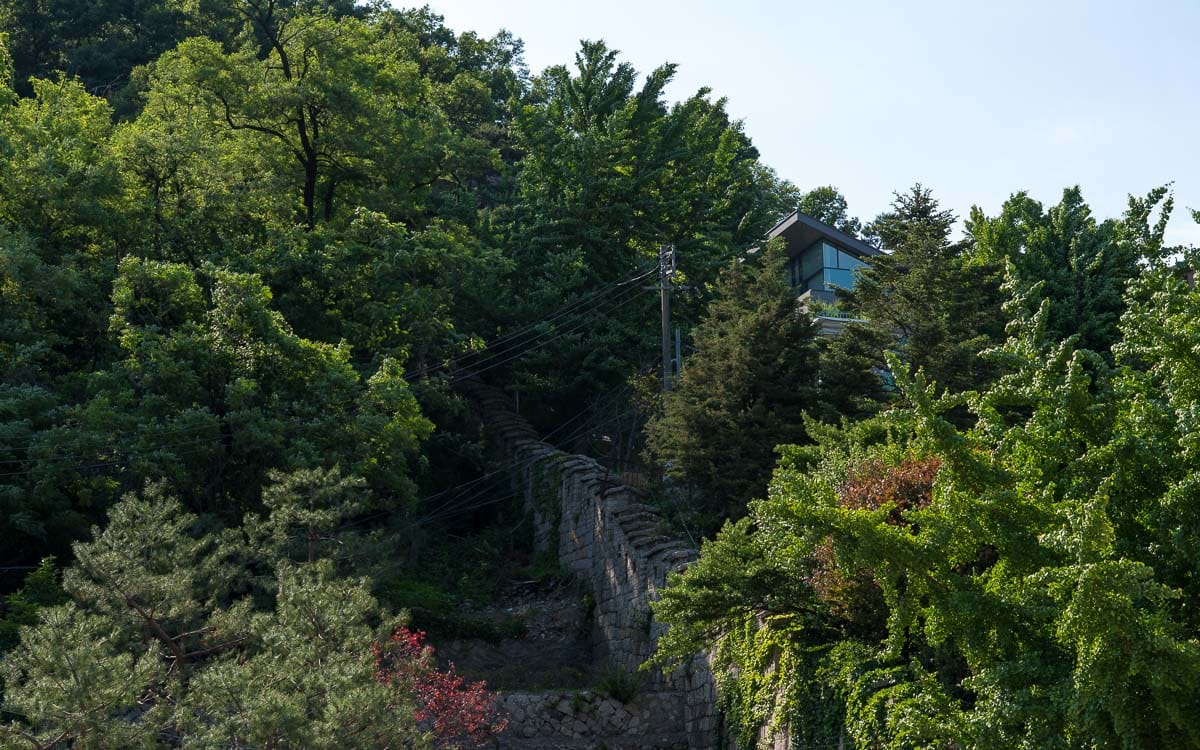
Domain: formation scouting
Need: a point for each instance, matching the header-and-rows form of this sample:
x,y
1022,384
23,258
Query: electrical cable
x,y
494,359
615,304
463,502
554,333
564,310
128,433
457,364
125,457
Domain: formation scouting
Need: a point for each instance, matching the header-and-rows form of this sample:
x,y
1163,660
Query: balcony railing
x,y
824,304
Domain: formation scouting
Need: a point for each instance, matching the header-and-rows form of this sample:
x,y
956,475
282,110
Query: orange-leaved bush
x,y
853,595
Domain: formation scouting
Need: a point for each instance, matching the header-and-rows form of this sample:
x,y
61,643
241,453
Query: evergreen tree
x,y
745,390
927,299
179,635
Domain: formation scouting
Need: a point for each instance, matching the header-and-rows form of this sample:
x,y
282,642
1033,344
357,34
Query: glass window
x,y
810,261
830,254
839,277
848,261
822,266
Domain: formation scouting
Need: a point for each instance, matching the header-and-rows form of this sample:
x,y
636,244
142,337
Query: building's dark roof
x,y
800,231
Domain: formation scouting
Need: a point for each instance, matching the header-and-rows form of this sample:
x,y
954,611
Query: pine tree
x,y
178,635
744,391
927,299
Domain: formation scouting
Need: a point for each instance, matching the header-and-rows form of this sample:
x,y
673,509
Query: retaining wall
x,y
570,719
620,550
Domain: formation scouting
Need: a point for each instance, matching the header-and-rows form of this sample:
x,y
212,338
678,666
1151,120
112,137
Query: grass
x,y
620,684
440,613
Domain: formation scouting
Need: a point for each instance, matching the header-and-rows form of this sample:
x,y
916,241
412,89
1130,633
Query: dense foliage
x,y
176,635
1028,581
745,390
248,248
929,300
304,230
610,173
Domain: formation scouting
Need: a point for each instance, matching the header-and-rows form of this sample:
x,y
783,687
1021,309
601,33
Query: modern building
x,y
821,260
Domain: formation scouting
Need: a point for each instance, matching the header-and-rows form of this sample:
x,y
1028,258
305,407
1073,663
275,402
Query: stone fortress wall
x,y
620,551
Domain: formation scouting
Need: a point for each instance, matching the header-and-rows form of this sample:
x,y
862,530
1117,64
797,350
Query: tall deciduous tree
x,y
828,205
338,99
213,390
1083,266
609,174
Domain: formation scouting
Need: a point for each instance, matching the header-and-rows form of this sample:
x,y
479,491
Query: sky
x,y
975,100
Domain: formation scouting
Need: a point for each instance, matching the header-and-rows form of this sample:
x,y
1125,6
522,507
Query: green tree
x,y
60,178
610,173
39,590
340,101
306,509
476,82
745,390
59,236
71,681
307,676
1025,593
103,42
98,42
381,287
212,390
1083,265
927,299
828,205
195,191
181,635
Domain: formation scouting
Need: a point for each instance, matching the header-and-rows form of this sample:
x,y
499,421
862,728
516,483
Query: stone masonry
x,y
619,549
573,719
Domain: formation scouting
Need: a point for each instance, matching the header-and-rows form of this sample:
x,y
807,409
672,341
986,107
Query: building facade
x,y
821,260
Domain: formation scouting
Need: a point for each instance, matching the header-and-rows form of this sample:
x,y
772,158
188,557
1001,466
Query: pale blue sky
x,y
977,100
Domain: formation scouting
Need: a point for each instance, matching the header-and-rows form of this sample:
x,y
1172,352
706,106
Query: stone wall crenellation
x,y
619,548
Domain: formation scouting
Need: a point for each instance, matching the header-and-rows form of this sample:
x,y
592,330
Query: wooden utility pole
x,y
666,268
678,356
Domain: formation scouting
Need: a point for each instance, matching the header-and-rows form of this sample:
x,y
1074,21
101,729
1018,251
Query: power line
x,y
128,433
463,502
116,460
565,310
492,360
509,466
462,497
507,355
460,363
615,304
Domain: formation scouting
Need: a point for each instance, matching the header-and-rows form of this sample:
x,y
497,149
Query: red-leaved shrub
x,y
854,596
907,485
458,713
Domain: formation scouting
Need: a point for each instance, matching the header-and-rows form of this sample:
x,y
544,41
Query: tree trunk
x,y
310,192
